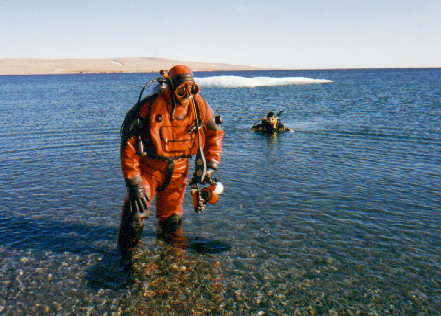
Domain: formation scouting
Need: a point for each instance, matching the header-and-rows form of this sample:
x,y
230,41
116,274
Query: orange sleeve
x,y
213,146
213,138
129,159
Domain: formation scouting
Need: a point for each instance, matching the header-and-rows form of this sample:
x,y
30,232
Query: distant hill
x,y
26,66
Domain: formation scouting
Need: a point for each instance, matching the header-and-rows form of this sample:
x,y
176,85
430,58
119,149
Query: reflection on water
x,y
170,280
339,217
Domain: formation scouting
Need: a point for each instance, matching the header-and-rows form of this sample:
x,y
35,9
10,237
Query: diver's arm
x,y
133,126
137,196
213,138
130,159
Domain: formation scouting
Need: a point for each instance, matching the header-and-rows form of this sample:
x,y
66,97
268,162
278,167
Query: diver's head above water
x,y
182,83
271,119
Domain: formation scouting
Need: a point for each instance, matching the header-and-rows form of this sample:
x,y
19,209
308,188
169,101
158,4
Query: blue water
x,y
339,217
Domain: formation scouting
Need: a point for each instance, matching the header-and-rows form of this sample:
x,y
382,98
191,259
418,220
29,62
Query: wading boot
x,y
171,231
130,231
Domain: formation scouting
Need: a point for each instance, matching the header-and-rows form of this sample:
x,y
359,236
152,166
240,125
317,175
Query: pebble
x,y
196,283
149,293
43,308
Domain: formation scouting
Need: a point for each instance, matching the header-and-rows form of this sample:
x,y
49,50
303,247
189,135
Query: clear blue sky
x,y
278,33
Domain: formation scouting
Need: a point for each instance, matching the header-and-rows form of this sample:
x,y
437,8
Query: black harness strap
x,y
170,166
168,175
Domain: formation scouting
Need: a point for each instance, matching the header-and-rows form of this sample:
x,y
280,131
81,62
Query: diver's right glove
x,y
137,196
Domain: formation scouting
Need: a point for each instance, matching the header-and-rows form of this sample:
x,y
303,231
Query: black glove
x,y
137,196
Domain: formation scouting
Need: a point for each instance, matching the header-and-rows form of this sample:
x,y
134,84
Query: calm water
x,y
339,217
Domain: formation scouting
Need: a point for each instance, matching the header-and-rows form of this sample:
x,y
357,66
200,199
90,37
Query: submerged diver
x,y
270,124
159,134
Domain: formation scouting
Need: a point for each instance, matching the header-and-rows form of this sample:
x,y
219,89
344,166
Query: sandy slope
x,y
24,66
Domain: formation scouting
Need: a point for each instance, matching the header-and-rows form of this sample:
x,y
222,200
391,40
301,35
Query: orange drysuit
x,y
157,154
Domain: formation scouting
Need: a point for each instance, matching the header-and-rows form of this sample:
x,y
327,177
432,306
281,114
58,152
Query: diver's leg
x,y
171,231
169,207
131,226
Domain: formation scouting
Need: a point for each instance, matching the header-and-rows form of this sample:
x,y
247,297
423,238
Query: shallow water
x,y
339,217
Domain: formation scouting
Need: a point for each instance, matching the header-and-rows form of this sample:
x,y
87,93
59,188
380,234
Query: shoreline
x,y
47,66
61,66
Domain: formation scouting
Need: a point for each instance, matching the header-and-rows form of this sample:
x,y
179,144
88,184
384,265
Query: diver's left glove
x,y
138,199
211,169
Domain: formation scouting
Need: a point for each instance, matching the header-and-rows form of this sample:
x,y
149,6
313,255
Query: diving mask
x,y
185,89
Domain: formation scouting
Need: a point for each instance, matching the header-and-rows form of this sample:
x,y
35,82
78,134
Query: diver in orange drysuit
x,y
159,134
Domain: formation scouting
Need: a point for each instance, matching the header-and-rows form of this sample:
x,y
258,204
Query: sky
x,y
278,33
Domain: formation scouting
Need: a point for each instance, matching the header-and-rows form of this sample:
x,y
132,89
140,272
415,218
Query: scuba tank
x,y
132,123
